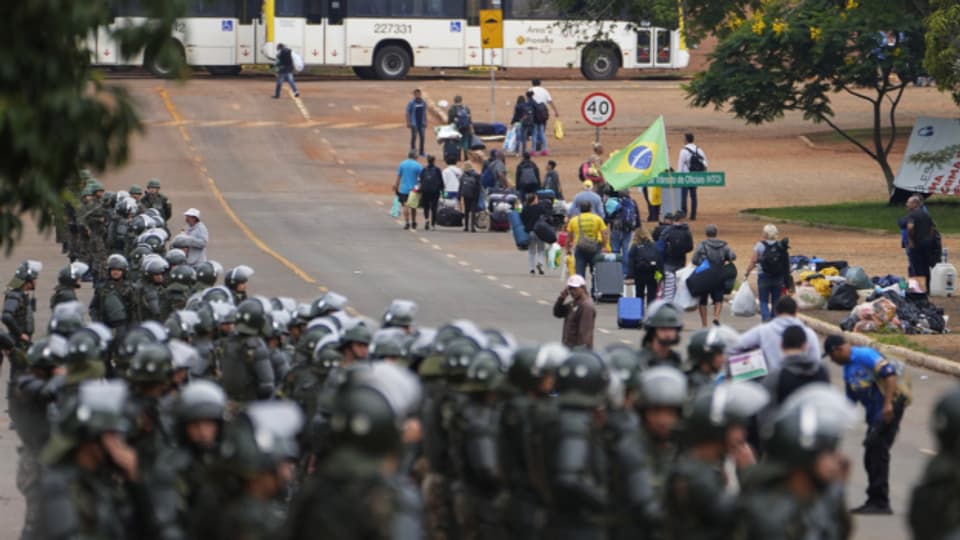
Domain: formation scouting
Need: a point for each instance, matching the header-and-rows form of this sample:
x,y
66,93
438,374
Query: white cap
x,y
192,212
576,281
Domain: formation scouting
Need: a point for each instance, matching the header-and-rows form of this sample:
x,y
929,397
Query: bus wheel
x,y
164,67
224,71
364,72
600,63
391,63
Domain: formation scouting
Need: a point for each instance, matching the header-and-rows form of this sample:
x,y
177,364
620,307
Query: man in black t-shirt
x,y
920,229
285,68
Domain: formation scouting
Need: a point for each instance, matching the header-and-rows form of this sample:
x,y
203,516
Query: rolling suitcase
x,y
520,236
630,313
500,221
607,280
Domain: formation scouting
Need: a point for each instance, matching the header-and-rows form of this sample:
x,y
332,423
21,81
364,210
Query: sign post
x,y
597,110
491,37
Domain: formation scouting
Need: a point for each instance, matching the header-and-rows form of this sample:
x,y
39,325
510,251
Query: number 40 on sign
x,y
597,110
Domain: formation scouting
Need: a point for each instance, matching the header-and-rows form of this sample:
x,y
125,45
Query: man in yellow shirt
x,y
587,235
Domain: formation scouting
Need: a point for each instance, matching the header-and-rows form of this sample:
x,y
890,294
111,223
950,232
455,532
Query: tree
x,y
57,115
942,59
795,55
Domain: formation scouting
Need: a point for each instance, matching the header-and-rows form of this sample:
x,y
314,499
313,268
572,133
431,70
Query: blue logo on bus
x,y
226,25
455,26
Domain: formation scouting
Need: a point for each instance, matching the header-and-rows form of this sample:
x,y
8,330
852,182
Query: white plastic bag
x,y
555,256
297,61
682,298
512,141
744,302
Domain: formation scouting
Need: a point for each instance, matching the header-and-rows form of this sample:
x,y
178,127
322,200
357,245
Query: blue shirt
x,y
596,203
860,377
409,173
417,113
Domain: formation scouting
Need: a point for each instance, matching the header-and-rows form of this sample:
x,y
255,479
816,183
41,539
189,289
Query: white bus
x,y
383,39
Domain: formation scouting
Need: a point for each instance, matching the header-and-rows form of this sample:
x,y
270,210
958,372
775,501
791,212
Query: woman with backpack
x,y
643,263
530,215
469,194
431,186
773,258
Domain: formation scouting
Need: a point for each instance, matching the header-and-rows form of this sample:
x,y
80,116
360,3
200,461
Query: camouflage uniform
x,y
93,218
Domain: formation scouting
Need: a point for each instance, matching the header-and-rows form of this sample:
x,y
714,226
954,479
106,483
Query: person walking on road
x,y
872,380
643,264
579,315
459,115
586,196
469,196
528,176
407,176
198,237
542,99
691,159
451,181
717,253
587,236
623,220
677,241
920,233
771,255
431,187
768,336
284,67
417,121
551,180
536,251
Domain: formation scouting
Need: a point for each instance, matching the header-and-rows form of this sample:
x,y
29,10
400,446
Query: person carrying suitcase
x,y
644,261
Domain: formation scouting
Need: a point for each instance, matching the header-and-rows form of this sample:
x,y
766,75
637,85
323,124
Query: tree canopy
x,y
943,46
57,115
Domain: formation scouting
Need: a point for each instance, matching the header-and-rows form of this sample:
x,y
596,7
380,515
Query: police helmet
x,y
29,270
48,352
622,361
706,343
371,405
421,345
488,370
811,421
945,422
182,324
145,332
67,318
69,274
458,355
399,313
261,437
500,338
152,239
455,329
183,275
180,242
201,400
660,386
279,323
137,255
251,317
715,408
388,343
127,207
358,332
328,303
284,303
155,264
664,314
175,257
312,335
99,407
219,294
87,343
326,353
237,275
582,380
117,262
208,272
531,364
140,224
182,355
152,363
109,199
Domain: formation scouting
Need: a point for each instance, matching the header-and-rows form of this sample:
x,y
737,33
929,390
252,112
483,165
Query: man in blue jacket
x,y
417,120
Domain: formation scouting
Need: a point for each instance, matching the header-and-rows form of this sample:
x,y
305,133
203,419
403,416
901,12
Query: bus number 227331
x,y
388,28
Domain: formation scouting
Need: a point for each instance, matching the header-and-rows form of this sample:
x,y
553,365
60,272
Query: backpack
x,y
527,177
451,151
462,118
696,160
488,179
678,244
774,259
470,185
626,217
529,117
644,261
588,172
540,113
431,180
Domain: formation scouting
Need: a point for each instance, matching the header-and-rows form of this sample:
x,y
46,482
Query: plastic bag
x,y
413,201
808,298
395,209
554,256
558,129
744,302
682,298
297,61
857,277
512,141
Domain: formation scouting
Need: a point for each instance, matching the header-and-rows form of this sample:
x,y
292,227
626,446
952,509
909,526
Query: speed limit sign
x,y
597,109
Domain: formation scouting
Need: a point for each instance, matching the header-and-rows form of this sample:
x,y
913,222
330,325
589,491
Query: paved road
x,y
299,190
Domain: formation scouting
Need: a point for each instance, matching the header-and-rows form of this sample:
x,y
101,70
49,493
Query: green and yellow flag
x,y
642,160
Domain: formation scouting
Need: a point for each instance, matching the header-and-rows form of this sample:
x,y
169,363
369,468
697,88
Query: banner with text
x,y
936,141
689,179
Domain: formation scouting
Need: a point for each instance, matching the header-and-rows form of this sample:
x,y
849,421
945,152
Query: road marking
x,y
218,195
258,123
341,162
381,203
380,127
524,293
436,247
603,331
451,256
478,270
491,278
543,302
422,238
928,451
216,123
300,105
463,263
626,342
348,125
351,172
505,286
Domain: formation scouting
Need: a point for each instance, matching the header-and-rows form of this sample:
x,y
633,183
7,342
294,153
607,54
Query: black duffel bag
x,y
706,280
544,231
843,297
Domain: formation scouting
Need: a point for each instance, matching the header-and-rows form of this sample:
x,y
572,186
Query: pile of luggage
x,y
886,309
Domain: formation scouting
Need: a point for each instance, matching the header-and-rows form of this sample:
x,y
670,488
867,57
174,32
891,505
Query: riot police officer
x,y
355,343
797,490
174,296
154,199
236,281
247,372
706,355
66,319
572,450
696,501
933,512
388,345
150,288
400,314
68,281
207,274
663,324
661,395
19,306
328,304
149,375
114,300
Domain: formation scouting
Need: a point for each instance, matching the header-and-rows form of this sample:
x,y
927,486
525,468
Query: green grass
x,y
899,340
862,135
865,215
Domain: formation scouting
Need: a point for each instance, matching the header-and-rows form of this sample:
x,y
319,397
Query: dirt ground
x,y
769,165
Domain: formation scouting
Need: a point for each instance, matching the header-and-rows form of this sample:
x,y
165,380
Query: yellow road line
x,y
303,108
217,194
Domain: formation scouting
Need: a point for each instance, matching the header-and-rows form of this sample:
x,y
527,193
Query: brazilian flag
x,y
642,160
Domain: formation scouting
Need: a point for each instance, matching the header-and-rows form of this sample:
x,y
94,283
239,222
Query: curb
x,y
914,358
747,214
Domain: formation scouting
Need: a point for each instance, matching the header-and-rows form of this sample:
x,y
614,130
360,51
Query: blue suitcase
x,y
630,313
520,235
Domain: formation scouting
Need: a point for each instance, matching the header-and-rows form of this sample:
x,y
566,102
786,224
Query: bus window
x,y
663,47
211,8
315,11
473,10
643,46
336,11
447,9
128,8
530,9
369,8
288,8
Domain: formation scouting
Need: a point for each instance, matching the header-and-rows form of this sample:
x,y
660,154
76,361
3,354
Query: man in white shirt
x,y
542,96
196,231
691,159
451,181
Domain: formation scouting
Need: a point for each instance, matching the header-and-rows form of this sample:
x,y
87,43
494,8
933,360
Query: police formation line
x,y
212,414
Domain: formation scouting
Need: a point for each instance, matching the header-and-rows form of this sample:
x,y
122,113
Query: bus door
x,y
645,47
664,56
473,52
335,34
